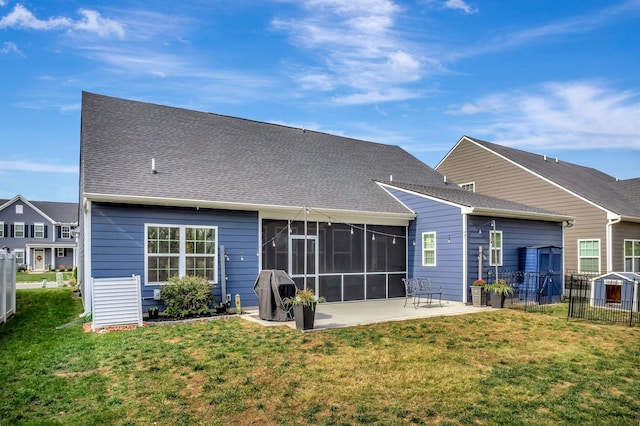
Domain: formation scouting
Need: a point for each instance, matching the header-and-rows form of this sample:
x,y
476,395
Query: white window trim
x,y
590,257
633,256
2,230
491,248
35,230
470,184
435,247
182,263
15,253
15,229
58,251
19,209
68,232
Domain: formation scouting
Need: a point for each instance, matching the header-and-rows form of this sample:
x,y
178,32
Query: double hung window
x,y
589,256
428,249
180,250
496,248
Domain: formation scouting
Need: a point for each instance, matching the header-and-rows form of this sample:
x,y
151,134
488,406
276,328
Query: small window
x,y
65,232
428,249
19,208
60,252
470,186
496,248
589,256
19,254
38,230
18,230
1,229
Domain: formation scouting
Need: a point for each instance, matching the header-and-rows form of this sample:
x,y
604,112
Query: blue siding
x,y
117,243
446,221
516,233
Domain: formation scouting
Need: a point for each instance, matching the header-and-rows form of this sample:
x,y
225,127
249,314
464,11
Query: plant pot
x,y
304,316
497,300
153,314
478,296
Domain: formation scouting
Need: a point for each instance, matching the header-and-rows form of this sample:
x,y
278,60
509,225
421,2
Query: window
x,y
589,256
65,232
632,255
471,186
1,229
496,248
18,230
428,249
38,230
180,250
19,254
60,252
19,208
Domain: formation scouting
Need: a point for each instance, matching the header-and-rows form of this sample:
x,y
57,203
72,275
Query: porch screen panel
x,y
275,244
376,286
341,248
386,249
396,286
330,287
354,287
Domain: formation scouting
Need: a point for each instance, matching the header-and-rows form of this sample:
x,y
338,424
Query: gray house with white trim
x,y
166,191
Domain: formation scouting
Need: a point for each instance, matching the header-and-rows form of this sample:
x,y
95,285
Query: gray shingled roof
x,y
59,212
216,158
591,184
455,195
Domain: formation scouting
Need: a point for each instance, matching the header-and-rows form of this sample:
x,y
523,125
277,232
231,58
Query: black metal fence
x,y
584,305
531,291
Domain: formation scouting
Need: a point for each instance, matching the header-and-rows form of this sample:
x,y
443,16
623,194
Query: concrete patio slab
x,y
337,315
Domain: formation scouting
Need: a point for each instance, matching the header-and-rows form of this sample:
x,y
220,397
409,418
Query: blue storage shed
x,y
616,289
542,278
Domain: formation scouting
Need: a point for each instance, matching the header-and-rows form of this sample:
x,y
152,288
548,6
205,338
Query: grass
x,y
502,367
35,277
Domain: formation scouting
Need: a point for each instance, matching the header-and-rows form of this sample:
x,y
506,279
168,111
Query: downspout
x,y
610,224
87,290
464,258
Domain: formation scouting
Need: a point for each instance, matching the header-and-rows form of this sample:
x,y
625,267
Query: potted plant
x,y
478,294
499,290
304,308
153,312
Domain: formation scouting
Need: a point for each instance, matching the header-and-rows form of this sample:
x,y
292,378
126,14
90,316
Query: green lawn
x,y
501,367
37,277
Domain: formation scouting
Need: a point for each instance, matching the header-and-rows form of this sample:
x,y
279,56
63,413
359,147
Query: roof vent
x,y
445,179
545,157
556,159
153,166
390,178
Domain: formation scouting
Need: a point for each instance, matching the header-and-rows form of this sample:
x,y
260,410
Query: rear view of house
x,y
167,191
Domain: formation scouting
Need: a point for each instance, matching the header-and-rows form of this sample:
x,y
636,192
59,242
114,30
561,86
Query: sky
x,y
556,78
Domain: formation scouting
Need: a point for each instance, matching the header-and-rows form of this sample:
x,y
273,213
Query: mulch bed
x,y
161,320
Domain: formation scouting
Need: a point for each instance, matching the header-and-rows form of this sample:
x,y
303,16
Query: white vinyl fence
x,y
7,286
116,301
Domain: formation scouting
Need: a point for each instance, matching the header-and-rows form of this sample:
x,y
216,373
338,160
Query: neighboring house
x,y
39,233
168,191
605,235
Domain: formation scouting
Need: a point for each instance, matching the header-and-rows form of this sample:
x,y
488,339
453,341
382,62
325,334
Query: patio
x,y
347,314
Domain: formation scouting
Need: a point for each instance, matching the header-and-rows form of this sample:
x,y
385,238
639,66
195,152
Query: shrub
x,y
69,269
61,268
186,296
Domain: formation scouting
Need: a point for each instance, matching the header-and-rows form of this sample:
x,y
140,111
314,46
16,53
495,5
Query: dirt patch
x,y
87,328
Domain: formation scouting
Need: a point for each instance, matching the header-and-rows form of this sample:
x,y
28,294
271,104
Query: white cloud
x,y
9,47
90,22
562,115
24,166
360,50
460,5
3,3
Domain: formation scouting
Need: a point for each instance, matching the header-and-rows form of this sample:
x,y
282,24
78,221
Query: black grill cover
x,y
271,287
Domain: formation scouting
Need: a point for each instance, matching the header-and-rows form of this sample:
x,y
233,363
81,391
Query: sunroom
x,y
341,261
